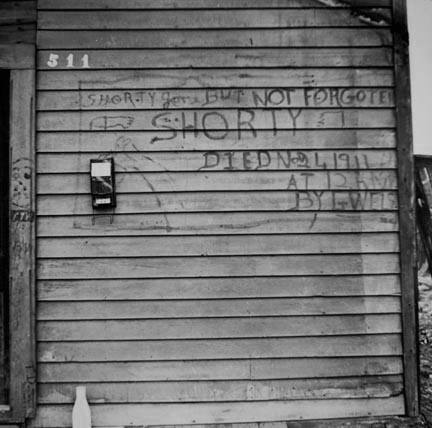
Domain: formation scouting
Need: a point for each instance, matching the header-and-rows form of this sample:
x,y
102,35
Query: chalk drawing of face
x,y
21,183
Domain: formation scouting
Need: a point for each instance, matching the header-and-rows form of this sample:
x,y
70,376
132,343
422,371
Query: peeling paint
x,y
370,16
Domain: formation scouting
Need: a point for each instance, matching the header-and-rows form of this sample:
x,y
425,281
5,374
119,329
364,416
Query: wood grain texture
x,y
220,58
294,368
50,311
18,33
407,210
139,414
218,78
216,224
178,19
221,349
365,200
225,181
231,163
21,266
188,292
234,38
363,422
217,391
264,140
194,4
17,56
217,328
215,98
218,266
136,246
214,123
17,12
217,288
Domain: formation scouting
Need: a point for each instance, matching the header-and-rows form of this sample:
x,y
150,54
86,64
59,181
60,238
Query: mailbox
x,y
102,183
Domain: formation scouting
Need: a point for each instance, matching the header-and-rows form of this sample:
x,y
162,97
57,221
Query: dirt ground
x,y
425,321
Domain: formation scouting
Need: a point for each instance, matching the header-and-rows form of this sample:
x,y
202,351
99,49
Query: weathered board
x,y
214,124
219,349
219,58
78,79
217,288
229,162
117,141
135,246
222,181
179,413
210,328
181,19
50,311
215,98
289,201
194,4
233,38
251,269
252,223
295,368
196,266
166,392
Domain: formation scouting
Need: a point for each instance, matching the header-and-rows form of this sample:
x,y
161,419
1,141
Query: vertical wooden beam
x,y
406,207
21,246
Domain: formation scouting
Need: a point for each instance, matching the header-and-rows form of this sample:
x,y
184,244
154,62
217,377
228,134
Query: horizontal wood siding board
x,y
225,181
181,99
178,19
218,266
216,224
193,4
135,246
153,414
237,38
216,391
228,162
239,58
364,200
218,78
214,123
383,345
117,141
206,328
219,370
50,311
217,288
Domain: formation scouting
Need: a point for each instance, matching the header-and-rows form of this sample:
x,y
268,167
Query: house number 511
x,y
83,62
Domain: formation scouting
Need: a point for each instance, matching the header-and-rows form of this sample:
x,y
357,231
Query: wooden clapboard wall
x,y
250,271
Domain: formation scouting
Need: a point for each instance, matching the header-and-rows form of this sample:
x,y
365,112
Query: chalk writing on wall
x,y
342,201
266,97
215,125
315,179
106,123
283,159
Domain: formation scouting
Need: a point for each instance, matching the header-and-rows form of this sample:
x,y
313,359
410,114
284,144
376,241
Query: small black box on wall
x,y
102,177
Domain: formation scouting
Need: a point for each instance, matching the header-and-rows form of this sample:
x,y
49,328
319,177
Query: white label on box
x,y
101,169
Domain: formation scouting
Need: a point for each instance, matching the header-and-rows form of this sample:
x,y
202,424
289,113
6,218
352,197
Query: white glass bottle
x,y
81,417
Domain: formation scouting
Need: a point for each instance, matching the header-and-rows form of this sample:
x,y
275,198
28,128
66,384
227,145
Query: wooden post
x,y
21,247
407,208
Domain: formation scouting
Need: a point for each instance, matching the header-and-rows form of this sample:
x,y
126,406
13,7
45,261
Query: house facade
x,y
249,255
